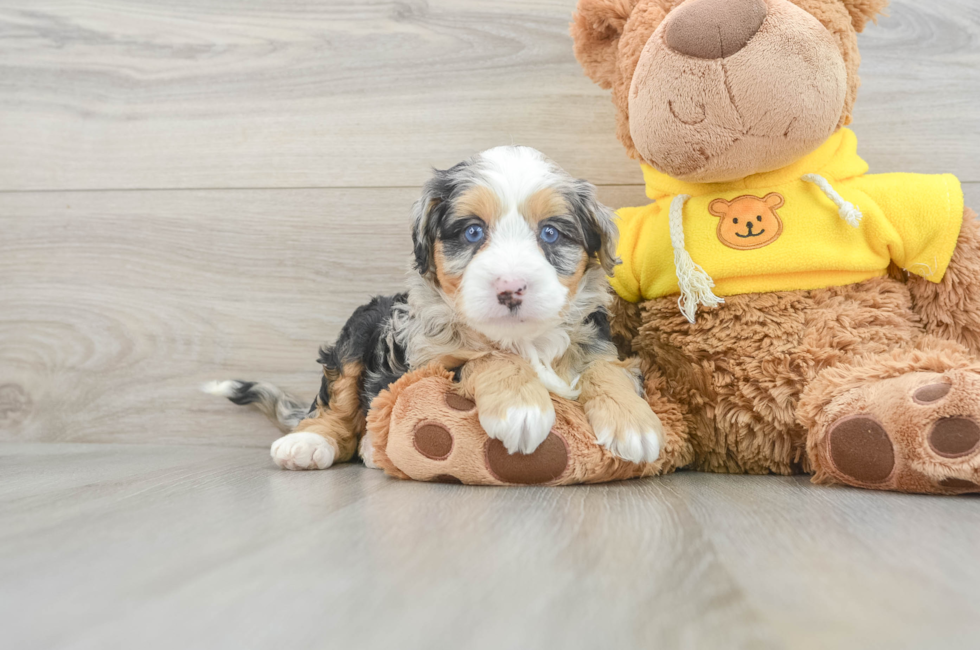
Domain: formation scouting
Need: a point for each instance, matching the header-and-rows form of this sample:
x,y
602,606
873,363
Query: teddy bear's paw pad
x,y
433,441
918,432
931,393
457,402
545,464
861,449
955,437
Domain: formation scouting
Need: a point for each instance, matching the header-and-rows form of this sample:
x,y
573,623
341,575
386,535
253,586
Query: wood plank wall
x,y
206,189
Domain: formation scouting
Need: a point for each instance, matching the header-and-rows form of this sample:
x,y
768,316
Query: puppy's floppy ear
x,y
428,213
598,224
596,28
863,11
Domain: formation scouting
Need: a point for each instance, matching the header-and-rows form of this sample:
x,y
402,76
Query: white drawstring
x,y
695,284
847,210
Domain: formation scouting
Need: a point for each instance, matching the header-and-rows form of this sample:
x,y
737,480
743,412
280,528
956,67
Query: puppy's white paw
x,y
635,436
631,444
303,450
522,429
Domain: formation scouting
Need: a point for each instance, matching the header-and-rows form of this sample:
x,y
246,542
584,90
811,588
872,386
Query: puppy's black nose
x,y
510,291
510,299
713,29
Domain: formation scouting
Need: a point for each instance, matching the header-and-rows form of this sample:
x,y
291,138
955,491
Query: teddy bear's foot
x,y
422,428
918,432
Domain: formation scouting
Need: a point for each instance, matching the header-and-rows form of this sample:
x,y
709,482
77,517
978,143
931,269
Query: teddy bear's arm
x,y
951,308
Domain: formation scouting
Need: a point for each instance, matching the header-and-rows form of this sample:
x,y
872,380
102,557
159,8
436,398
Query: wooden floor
x,y
204,189
144,546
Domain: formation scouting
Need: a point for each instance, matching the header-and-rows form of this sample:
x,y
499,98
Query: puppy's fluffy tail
x,y
280,407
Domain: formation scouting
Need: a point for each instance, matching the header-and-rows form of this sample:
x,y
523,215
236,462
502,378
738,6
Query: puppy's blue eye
x,y
549,234
474,234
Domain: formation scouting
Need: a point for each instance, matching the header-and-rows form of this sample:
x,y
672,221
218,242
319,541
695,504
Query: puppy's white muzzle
x,y
509,289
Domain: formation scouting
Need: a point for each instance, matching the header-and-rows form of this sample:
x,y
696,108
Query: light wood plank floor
x,y
142,546
184,189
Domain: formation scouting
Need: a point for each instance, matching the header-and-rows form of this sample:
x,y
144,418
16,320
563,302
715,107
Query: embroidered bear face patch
x,y
748,222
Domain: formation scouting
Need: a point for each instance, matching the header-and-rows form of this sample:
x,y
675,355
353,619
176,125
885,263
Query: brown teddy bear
x,y
791,314
838,336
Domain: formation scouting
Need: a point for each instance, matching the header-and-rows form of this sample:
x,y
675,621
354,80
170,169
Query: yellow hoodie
x,y
817,223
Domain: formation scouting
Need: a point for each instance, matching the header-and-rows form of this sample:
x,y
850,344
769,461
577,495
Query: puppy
x,y
510,290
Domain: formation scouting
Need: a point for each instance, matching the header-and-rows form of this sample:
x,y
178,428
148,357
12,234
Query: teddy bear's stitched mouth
x,y
751,234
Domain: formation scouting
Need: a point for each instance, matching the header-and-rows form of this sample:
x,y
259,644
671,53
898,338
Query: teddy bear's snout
x,y
714,29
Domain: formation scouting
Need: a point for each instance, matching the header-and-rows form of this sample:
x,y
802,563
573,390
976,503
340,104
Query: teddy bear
x,y
798,314
790,313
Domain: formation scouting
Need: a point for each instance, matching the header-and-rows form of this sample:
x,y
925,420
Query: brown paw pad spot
x,y
954,437
958,484
861,449
544,464
433,441
459,403
931,393
447,478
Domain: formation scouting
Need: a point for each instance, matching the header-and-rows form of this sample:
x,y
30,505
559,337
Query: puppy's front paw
x,y
629,429
521,427
303,450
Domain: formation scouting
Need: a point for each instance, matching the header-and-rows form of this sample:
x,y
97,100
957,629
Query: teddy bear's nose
x,y
713,29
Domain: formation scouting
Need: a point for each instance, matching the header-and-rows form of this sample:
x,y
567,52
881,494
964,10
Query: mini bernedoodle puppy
x,y
511,291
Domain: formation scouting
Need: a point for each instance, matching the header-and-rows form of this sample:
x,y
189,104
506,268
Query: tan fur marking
x,y
448,283
543,204
478,201
342,420
499,382
571,281
611,401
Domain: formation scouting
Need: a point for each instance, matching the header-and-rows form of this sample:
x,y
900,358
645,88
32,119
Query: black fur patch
x,y
431,211
243,394
601,341
363,339
452,233
565,254
600,320
599,232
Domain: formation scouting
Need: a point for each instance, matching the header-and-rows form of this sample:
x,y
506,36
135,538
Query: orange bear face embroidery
x,y
748,222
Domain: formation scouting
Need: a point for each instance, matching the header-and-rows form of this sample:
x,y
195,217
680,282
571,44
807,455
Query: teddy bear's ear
x,y
864,10
774,200
596,28
719,207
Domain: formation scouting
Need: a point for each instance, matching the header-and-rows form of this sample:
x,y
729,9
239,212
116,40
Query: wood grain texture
x,y
108,546
205,189
220,94
118,305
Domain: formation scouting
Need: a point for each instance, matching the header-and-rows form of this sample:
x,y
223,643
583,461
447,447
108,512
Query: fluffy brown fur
x,y
786,382
951,309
